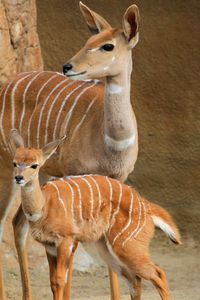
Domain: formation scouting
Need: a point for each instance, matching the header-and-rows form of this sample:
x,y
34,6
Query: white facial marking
x,y
113,58
93,49
114,89
106,68
33,217
52,250
119,145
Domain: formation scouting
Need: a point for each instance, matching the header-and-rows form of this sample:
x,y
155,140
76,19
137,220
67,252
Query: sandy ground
x,y
180,263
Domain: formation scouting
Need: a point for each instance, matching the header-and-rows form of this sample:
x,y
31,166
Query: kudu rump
x,y
94,209
97,118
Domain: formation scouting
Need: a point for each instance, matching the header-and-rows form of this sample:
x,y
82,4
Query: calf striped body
x,y
99,206
94,209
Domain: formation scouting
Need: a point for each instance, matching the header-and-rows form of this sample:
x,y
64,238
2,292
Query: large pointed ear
x,y
95,22
50,148
130,25
16,140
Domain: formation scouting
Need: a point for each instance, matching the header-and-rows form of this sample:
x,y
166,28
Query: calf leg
x,y
21,229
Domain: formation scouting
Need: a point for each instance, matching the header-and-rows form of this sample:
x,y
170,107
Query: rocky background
x,y
19,44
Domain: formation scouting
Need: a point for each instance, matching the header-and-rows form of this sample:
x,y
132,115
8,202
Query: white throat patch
x,y
114,89
119,145
33,217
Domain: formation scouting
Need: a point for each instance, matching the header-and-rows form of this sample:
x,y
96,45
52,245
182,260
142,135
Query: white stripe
x,y
43,107
61,108
36,103
138,225
118,207
119,145
72,191
111,195
144,206
129,220
1,117
24,100
58,193
69,114
51,108
80,198
83,118
13,98
99,194
91,196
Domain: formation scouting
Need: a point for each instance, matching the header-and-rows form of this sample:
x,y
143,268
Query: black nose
x,y
19,178
67,67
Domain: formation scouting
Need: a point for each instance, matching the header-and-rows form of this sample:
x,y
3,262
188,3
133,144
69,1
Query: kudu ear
x,y
50,148
95,22
16,140
130,25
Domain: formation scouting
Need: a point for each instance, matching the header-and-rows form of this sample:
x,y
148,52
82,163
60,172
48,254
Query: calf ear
x,y
130,25
50,148
95,22
16,140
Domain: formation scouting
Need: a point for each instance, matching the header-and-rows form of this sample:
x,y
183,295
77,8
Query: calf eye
x,y
14,164
34,166
108,47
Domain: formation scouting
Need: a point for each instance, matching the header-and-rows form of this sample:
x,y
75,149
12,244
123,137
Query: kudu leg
x,y
58,267
67,290
114,285
21,229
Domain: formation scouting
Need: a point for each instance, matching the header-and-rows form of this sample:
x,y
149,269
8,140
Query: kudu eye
x,y
14,164
34,166
107,47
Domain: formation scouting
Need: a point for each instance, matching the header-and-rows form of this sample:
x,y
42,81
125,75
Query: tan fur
x,y
100,126
110,214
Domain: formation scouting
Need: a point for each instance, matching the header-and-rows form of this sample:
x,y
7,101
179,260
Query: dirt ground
x,y
165,98
180,263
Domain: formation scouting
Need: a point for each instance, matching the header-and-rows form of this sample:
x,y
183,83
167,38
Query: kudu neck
x,y
119,124
32,200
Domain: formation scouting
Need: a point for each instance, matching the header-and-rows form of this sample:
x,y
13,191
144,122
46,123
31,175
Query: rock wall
x,y
19,43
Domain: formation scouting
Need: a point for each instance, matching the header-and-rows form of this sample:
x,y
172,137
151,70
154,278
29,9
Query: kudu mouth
x,y
74,74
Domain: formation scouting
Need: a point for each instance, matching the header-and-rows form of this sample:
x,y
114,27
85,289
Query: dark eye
x,y
34,166
14,164
108,47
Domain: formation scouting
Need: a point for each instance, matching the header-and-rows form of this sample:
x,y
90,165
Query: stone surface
x,y
19,43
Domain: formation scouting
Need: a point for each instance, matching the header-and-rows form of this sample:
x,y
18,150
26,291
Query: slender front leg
x,y
67,291
114,285
138,289
21,229
58,266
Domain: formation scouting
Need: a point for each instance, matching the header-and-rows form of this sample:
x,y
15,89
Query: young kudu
x,y
94,209
97,118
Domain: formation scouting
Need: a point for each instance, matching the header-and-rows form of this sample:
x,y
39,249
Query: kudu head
x,y
27,161
108,51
